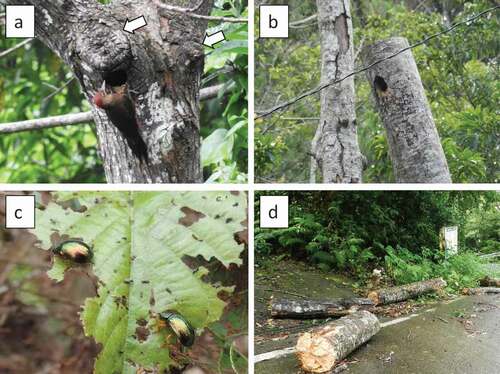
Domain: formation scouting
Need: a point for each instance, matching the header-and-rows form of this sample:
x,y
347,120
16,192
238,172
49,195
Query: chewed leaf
x,y
143,245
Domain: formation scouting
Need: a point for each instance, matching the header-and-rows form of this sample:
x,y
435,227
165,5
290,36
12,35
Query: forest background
x,y
459,71
354,232
35,83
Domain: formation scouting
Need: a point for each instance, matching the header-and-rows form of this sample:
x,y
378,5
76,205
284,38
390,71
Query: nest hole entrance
x,y
115,78
380,84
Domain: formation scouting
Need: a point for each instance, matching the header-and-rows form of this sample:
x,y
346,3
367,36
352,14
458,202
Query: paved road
x,y
457,337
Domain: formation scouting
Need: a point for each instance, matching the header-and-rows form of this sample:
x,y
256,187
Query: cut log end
x,y
489,282
316,353
373,296
320,349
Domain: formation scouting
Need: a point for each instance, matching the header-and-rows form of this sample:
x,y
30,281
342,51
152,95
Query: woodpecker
x,y
120,109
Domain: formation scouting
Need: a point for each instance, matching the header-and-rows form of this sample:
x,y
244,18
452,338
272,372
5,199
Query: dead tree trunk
x,y
310,309
320,349
489,282
162,65
405,292
335,145
480,290
416,152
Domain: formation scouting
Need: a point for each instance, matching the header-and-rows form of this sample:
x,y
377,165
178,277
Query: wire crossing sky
x,y
322,86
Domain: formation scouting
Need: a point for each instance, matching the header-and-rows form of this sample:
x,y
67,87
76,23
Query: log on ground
x,y
321,348
480,290
309,309
405,292
489,282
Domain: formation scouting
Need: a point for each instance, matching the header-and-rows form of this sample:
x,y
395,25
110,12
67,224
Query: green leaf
x,y
216,147
146,246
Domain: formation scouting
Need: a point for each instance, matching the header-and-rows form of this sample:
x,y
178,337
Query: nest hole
x,y
115,78
380,84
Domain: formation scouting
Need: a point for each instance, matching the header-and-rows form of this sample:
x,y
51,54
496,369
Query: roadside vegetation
x,y
353,233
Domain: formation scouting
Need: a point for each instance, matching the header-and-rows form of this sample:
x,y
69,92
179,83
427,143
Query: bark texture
x,y
335,145
415,149
480,290
162,64
320,349
405,292
489,282
309,309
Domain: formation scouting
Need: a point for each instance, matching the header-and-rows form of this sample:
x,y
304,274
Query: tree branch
x,y
15,48
306,22
46,123
79,118
189,12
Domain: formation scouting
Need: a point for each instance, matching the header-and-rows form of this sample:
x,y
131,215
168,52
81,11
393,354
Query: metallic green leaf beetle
x,y
182,328
74,250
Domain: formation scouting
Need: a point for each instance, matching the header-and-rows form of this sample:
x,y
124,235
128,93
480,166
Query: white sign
x,y
19,212
450,236
274,211
20,21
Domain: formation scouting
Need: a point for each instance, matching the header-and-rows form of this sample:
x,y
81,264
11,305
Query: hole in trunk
x,y
380,84
115,78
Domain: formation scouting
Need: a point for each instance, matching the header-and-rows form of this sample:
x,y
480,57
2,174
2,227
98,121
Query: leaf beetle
x,y
181,327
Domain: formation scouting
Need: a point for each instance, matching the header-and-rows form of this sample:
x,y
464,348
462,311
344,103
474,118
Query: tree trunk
x,y
162,65
414,145
480,290
320,349
335,145
489,282
408,291
310,309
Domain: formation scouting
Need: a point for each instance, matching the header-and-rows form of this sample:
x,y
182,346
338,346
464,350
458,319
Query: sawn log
x,y
489,282
309,309
480,290
321,348
405,292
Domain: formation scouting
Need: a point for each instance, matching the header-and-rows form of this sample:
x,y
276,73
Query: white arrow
x,y
135,24
211,40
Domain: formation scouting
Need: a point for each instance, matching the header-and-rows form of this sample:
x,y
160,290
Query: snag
x,y
310,309
407,291
415,148
320,349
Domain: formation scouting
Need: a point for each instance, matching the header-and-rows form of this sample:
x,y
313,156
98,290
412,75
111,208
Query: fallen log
x,y
321,348
405,292
480,290
310,309
489,282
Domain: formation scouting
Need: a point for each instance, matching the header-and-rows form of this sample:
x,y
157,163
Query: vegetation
x,y
459,71
187,262
355,232
35,83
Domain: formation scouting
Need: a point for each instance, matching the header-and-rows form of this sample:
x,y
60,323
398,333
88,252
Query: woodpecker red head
x,y
104,99
99,99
